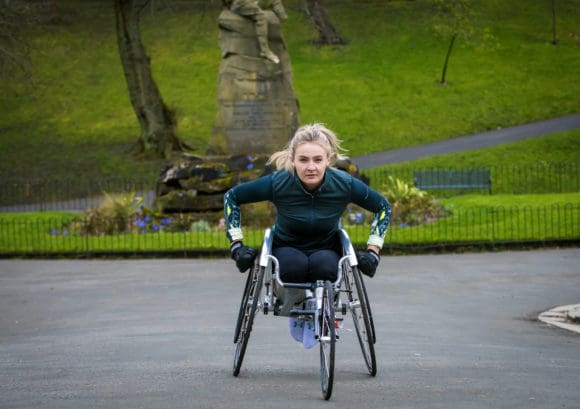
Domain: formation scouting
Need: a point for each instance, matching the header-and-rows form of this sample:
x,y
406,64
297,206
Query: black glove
x,y
243,255
368,262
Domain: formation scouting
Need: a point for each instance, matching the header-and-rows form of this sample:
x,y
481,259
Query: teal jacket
x,y
304,220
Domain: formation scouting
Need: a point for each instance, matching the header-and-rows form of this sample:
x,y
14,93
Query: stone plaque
x,y
258,126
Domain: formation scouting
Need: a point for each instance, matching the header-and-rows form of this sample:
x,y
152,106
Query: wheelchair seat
x,y
289,297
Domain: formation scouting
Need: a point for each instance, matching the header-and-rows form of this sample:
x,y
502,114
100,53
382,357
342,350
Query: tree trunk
x,y
327,33
554,31
14,49
52,12
157,121
444,73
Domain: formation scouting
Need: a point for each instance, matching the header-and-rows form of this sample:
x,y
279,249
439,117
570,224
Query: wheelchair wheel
x,y
361,316
370,313
241,313
327,340
250,301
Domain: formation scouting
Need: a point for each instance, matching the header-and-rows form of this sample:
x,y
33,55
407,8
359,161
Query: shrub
x,y
124,213
201,226
411,206
112,216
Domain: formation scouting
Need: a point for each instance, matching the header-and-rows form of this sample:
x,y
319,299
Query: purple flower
x,y
140,223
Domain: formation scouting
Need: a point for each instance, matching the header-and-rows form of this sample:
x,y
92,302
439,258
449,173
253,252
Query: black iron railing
x,y
480,227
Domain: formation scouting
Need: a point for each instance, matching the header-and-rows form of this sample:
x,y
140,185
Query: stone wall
x,y
195,185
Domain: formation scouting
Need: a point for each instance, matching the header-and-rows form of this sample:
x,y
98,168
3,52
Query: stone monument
x,y
257,110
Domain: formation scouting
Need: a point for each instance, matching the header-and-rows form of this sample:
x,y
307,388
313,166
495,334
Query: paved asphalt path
x,y
454,331
465,143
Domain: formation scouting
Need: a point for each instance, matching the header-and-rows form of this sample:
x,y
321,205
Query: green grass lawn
x,y
73,116
517,167
507,201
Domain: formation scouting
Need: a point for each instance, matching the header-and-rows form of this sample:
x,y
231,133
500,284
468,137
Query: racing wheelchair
x,y
319,302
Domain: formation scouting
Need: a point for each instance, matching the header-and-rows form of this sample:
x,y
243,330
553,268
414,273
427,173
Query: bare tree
x,y
52,14
456,18
554,31
158,123
13,47
327,33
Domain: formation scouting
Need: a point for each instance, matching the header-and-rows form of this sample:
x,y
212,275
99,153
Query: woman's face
x,y
310,162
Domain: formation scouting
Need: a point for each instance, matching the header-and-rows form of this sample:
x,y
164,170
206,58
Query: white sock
x,y
296,327
308,338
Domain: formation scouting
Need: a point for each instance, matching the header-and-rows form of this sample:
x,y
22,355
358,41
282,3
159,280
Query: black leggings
x,y
299,267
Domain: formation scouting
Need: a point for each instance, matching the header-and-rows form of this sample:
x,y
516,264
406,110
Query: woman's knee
x,y
324,265
293,264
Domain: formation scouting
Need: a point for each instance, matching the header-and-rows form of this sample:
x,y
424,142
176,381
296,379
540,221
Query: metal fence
x,y
47,233
18,195
21,235
36,195
507,179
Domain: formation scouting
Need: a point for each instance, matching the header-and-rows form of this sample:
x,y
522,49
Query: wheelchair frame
x,y
282,299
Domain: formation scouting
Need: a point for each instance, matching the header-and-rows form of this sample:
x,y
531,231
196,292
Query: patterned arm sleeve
x,y
380,225
250,192
233,217
373,201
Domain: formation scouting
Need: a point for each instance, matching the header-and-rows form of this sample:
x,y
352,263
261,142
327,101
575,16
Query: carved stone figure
x,y
257,106
254,10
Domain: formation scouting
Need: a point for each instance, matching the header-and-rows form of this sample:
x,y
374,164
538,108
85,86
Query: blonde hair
x,y
313,133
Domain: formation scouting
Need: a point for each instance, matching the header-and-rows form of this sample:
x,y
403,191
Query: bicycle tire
x,y
249,312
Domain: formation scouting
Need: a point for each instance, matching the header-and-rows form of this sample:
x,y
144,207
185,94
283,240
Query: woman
x,y
310,197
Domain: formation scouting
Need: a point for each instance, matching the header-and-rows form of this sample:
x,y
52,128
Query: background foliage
x,y
72,115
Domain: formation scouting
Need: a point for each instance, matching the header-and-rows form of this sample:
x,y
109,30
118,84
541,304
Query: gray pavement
x,y
454,331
